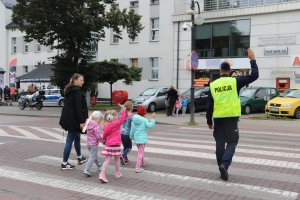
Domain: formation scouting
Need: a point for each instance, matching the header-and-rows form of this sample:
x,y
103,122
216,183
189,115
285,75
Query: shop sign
x,y
295,61
276,51
276,40
235,63
282,73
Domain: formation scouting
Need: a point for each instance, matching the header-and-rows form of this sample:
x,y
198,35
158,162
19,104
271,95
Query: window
x,y
154,68
114,39
26,47
134,62
38,47
155,29
14,45
154,2
115,60
134,4
223,39
25,69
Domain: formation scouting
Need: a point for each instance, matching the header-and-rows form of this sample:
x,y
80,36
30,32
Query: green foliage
x,y
68,26
111,72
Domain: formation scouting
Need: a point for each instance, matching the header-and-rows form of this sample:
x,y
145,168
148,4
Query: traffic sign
x,y
194,59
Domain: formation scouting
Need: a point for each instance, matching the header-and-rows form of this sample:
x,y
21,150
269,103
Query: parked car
x,y
256,98
287,104
200,98
53,97
153,98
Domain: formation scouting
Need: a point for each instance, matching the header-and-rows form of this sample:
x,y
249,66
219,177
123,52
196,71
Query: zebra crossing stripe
x,y
240,159
105,191
244,190
213,142
24,132
54,135
3,133
244,131
241,150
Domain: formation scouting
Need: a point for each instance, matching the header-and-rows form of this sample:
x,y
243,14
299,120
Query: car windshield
x,y
247,92
149,92
188,92
291,94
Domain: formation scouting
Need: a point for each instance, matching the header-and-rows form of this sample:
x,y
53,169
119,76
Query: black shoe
x,y
223,172
122,160
67,166
81,160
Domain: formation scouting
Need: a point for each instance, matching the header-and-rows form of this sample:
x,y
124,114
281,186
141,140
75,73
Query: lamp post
x,y
193,47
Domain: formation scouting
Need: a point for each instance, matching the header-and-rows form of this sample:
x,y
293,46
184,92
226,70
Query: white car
x,y
53,97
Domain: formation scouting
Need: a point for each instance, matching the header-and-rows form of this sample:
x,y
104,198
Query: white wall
x,y
143,50
2,38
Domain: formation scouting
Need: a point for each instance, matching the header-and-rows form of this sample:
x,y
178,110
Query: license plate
x,y
274,109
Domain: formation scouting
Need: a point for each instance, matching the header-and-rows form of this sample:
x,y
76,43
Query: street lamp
x,y
198,21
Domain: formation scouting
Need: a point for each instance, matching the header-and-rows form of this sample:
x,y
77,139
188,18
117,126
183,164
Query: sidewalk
x,y
55,112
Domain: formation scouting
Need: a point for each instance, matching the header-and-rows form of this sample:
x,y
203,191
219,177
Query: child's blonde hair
x,y
109,115
128,105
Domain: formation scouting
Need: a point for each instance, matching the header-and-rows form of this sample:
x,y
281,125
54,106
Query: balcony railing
x,y
211,5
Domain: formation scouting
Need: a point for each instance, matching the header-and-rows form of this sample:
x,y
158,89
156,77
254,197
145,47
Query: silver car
x,y
153,98
53,97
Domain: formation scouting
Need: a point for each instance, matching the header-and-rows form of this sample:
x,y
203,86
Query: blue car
x,y
53,97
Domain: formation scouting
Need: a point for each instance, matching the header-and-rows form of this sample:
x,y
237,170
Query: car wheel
x,y
152,107
247,109
61,103
297,113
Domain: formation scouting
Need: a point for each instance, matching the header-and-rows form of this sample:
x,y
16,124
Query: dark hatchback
x,y
200,95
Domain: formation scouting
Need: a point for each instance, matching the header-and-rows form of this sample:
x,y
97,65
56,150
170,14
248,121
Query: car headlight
x,y
286,105
268,104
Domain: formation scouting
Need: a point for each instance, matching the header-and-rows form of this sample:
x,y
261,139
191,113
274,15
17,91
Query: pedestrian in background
x,y
171,97
184,102
73,117
93,127
112,138
139,134
224,107
1,91
178,105
125,132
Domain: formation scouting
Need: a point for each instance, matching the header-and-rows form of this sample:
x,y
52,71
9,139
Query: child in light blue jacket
x,y
138,133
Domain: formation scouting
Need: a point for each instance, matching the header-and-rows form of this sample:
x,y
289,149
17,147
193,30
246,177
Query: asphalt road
x,y
180,164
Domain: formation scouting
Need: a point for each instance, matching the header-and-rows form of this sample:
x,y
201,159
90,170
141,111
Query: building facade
x,y
162,49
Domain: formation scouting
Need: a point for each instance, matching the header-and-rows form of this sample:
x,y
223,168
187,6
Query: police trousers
x,y
226,134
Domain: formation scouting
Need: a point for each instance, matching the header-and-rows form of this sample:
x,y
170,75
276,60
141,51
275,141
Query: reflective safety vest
x,y
226,99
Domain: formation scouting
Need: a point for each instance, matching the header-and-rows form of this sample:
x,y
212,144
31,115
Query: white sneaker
x,y
139,170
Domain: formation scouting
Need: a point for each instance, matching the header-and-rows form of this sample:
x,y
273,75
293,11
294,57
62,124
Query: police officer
x,y
225,108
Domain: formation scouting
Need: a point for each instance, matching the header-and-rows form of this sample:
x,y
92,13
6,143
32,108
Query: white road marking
x,y
211,141
54,135
105,191
3,133
211,156
193,182
244,131
24,132
241,150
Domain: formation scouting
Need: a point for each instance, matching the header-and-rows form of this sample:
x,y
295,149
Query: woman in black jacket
x,y
171,97
74,114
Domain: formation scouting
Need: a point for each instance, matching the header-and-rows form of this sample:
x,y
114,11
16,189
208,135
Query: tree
x,y
73,27
111,72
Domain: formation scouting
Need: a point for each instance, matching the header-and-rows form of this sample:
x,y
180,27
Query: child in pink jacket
x,y
112,138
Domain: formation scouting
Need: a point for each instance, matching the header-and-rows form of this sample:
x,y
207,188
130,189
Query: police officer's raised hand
x,y
210,127
251,55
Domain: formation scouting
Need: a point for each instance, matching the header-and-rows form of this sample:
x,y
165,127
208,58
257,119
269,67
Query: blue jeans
x,y
72,137
93,158
226,132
